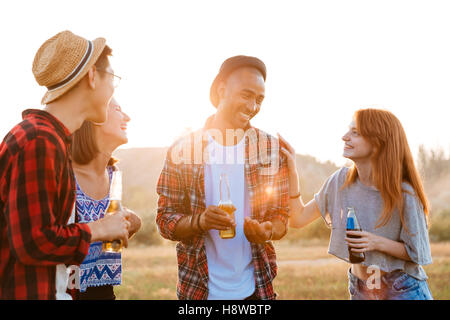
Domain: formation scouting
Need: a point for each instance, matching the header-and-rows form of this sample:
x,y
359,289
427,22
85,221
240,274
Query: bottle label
x,y
350,223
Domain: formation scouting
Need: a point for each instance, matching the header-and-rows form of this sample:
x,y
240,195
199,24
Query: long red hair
x,y
392,161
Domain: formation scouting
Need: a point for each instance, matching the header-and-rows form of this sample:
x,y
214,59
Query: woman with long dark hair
x,y
385,191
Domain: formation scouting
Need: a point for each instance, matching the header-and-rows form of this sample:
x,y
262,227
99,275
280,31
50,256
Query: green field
x,y
305,271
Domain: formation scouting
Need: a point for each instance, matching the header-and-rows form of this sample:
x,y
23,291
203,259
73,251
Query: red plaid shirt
x,y
181,191
37,193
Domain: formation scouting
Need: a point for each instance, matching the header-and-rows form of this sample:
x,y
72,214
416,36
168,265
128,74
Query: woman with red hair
x,y
385,191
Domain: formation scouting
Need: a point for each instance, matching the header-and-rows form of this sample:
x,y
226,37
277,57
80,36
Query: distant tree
x,y
432,163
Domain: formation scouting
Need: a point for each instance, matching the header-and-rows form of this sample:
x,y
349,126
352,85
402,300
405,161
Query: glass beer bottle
x,y
115,199
226,205
353,225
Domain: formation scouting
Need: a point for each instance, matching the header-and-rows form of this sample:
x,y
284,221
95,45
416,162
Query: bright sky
x,y
325,60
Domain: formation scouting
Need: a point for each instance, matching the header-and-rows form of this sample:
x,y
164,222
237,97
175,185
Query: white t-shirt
x,y
230,266
62,272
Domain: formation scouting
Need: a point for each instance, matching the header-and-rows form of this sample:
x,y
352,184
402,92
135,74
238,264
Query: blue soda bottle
x,y
353,225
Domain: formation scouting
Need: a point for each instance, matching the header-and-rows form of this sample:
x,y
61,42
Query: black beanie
x,y
229,66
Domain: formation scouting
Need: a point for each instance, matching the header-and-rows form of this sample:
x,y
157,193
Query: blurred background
x,y
140,190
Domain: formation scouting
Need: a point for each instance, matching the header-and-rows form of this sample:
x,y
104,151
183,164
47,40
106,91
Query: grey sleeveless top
x,y
368,204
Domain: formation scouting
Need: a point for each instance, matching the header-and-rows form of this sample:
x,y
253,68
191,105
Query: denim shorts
x,y
395,285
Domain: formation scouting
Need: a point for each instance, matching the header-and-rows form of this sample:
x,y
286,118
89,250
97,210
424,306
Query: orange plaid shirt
x,y
181,192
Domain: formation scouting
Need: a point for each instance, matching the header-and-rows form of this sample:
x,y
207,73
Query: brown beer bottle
x,y
115,199
226,205
353,225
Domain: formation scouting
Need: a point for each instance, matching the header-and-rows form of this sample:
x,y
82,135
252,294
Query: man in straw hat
x,y
37,186
223,256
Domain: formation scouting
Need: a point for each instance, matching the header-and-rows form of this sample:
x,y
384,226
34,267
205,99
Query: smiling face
x,y
114,129
241,96
356,146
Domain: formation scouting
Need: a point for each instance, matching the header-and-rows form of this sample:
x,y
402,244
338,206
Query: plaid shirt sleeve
x,y
280,205
36,235
171,204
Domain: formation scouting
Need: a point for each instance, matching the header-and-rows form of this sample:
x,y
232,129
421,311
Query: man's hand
x,y
257,232
111,227
215,218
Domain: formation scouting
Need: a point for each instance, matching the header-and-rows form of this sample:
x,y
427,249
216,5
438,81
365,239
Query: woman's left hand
x,y
367,241
135,222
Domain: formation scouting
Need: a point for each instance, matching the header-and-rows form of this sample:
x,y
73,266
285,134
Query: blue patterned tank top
x,y
98,268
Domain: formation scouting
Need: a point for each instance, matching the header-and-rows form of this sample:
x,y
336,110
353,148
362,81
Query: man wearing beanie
x,y
37,186
223,256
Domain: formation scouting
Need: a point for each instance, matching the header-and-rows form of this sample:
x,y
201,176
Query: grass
x,y
305,271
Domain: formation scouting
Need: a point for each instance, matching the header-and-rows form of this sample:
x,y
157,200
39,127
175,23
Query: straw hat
x,y
63,60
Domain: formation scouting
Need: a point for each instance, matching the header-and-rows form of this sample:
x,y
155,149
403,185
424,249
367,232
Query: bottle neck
x,y
224,188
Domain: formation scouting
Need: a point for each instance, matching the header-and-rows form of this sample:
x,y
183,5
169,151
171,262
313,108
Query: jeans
x,y
395,285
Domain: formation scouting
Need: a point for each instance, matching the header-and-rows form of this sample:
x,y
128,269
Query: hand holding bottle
x,y
215,218
363,241
113,226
